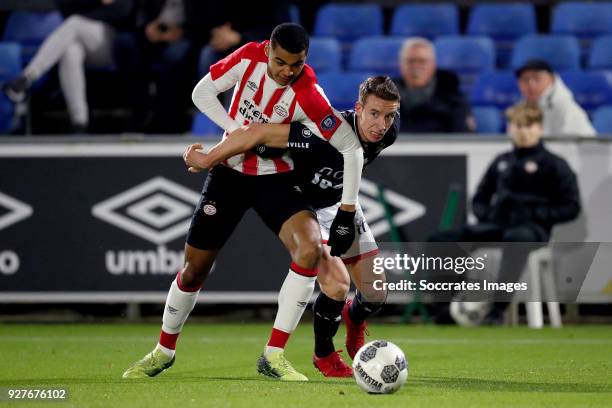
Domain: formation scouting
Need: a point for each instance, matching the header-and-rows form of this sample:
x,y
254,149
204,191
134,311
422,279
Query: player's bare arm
x,y
243,139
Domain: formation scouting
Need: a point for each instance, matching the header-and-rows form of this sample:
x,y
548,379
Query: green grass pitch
x,y
215,367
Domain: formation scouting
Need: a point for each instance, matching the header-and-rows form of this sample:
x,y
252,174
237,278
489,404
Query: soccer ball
x,y
380,367
469,314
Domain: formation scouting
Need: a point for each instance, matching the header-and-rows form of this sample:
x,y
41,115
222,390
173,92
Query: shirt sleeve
x,y
318,115
346,142
204,97
324,121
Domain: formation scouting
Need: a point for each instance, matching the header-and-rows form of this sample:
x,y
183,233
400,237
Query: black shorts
x,y
228,194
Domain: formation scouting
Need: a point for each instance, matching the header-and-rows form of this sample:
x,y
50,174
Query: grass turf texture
x,y
215,366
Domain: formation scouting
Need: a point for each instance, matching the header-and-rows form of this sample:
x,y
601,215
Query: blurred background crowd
x,y
117,66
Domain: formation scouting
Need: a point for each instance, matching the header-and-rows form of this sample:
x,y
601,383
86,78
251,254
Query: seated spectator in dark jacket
x,y
162,50
432,101
523,194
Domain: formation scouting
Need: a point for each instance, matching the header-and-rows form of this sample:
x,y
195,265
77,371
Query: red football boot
x,y
355,334
332,365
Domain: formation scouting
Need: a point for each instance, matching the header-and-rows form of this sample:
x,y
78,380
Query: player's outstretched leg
x,y
366,302
179,304
334,282
355,326
181,300
326,322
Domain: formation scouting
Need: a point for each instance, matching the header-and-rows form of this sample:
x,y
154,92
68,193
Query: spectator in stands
x,y
540,85
162,51
86,36
523,194
432,101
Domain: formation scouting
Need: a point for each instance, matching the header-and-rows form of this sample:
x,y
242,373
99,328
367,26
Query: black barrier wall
x,y
109,223
104,219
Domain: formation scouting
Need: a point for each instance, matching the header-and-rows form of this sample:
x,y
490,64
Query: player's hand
x,y
342,232
195,159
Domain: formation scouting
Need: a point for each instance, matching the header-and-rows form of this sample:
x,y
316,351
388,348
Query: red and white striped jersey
x,y
258,98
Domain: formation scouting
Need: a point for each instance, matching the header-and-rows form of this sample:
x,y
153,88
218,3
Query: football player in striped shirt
x,y
271,84
318,168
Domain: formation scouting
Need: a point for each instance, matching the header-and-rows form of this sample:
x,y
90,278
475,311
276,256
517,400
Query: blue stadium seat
x,y
602,120
30,29
504,23
10,66
377,55
560,51
584,20
324,54
10,60
488,119
203,126
467,56
342,88
601,53
425,20
348,22
591,89
497,88
294,14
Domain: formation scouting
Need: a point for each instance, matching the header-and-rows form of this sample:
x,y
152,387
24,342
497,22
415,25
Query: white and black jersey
x,y
318,166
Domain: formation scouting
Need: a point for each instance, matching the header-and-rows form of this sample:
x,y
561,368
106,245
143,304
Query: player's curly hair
x,y
380,86
291,37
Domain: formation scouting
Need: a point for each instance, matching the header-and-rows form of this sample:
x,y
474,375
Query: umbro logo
x,y
12,210
172,310
158,210
252,86
342,230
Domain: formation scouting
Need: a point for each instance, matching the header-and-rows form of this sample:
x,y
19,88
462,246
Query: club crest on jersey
x,y
252,86
328,122
281,111
306,133
209,209
531,167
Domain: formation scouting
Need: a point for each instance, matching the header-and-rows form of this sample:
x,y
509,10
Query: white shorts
x,y
364,244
